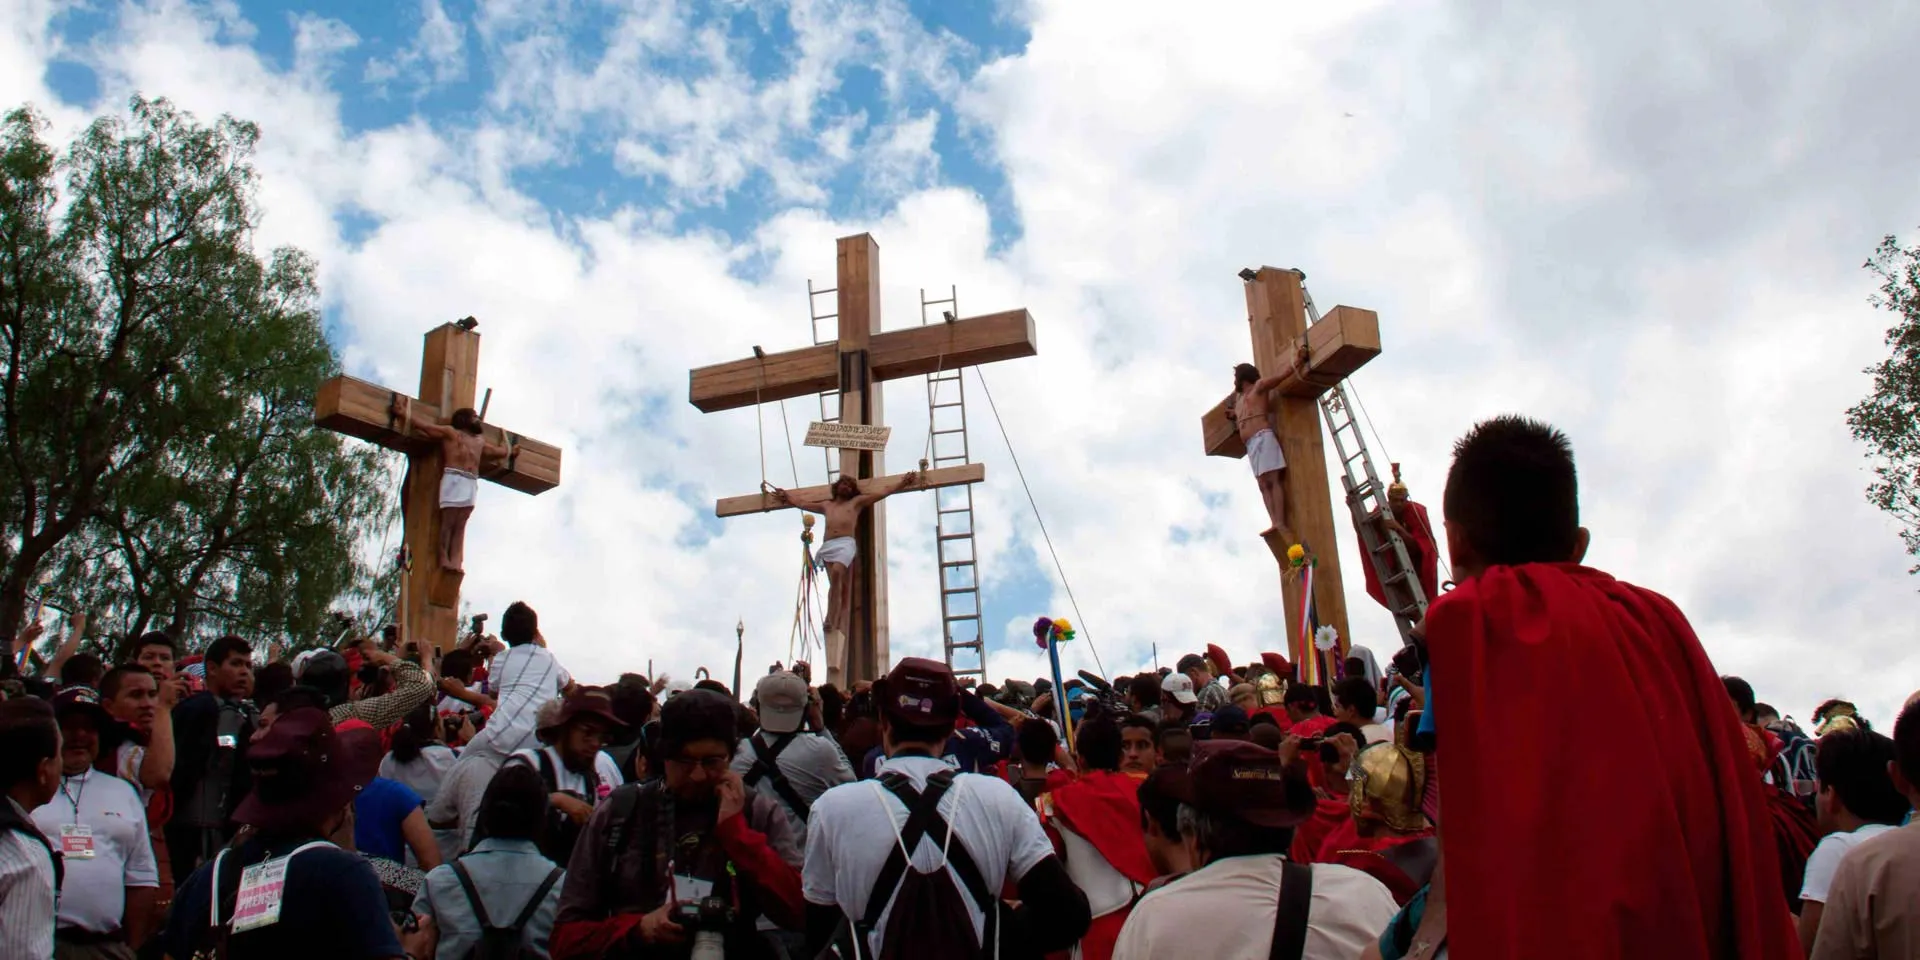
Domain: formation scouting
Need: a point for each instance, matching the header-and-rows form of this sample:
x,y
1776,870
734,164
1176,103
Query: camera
x,y
707,920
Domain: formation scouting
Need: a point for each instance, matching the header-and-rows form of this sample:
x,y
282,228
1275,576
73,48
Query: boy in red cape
x,y
1094,823
1409,519
1599,801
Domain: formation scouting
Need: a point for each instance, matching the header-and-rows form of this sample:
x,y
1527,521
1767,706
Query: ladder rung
x,y
1400,577
955,510
949,593
963,616
958,563
956,536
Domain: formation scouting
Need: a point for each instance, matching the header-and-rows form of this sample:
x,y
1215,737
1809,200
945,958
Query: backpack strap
x,y
765,767
539,897
473,896
1290,920
624,804
548,776
923,818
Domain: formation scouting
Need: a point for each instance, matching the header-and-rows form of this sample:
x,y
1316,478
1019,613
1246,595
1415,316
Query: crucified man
x,y
842,507
1249,407
462,446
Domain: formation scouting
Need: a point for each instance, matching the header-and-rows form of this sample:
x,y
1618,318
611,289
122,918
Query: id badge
x,y
687,889
226,741
76,841
262,888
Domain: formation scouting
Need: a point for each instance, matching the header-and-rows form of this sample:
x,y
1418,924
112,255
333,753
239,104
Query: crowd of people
x,y
1607,794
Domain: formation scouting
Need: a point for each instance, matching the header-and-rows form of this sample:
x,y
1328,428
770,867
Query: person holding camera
x,y
789,759
682,866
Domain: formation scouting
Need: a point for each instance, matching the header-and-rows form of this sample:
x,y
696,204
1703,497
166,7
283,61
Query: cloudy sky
x,y
1641,222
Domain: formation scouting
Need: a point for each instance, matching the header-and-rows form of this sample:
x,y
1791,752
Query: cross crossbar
x,y
765,503
1342,342
360,409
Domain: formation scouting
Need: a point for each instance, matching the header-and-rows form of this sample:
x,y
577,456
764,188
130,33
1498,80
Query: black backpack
x,y
561,833
930,919
766,768
503,943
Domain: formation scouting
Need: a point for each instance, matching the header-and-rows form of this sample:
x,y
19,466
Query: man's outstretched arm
x,y
805,504
908,481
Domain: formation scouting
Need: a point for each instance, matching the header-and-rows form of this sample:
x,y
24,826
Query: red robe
x,y
1329,814
1367,854
1422,551
1600,802
1104,809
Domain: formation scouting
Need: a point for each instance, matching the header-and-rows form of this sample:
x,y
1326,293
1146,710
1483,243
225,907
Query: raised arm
x,y
798,502
403,409
908,481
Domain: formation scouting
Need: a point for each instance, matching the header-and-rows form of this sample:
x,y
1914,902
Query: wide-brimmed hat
x,y
585,702
1244,781
304,771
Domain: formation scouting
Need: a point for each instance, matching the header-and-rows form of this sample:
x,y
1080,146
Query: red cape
x,y
1104,808
1600,802
1421,550
1328,814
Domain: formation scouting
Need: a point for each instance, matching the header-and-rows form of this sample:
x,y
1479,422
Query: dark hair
x,y
834,491
224,648
28,737
114,679
1513,493
694,716
715,686
514,806
1906,743
152,638
298,696
1144,688
1176,743
466,420
1157,805
1765,710
632,701
459,665
1266,734
1036,740
417,729
1854,764
1245,373
833,705
1140,721
519,624
1229,836
82,670
1359,695
1305,694
271,681
1742,694
1192,660
1820,712
1098,743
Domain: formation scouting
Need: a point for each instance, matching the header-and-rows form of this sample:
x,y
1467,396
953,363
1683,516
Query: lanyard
x,y
74,798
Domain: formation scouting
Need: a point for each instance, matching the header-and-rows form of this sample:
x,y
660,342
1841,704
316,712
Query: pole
x,y
484,401
739,649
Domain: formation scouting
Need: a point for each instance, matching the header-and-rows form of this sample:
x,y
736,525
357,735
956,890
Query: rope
x,y
933,393
759,424
787,428
1079,618
1387,455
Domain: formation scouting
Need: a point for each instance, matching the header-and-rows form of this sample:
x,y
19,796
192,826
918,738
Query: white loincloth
x,y
840,550
458,488
1263,452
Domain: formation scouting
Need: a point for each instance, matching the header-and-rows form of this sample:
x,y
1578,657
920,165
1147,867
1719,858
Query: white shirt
x,y
812,763
1826,857
568,781
527,676
847,846
93,896
26,894
127,759
1376,733
1227,909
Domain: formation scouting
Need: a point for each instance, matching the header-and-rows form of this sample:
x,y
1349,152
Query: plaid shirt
x,y
411,688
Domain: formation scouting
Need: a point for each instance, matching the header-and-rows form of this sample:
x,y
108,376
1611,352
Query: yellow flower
x,y
1062,626
1296,553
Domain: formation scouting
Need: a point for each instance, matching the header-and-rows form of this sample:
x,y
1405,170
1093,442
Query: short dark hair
x,y
1245,373
82,670
1765,710
514,806
1742,694
1304,693
519,624
29,736
1144,688
694,716
1176,743
1358,694
152,638
1193,660
1140,721
272,680
114,679
1157,804
1036,740
1513,492
1906,743
299,696
1098,743
1854,764
632,699
466,420
458,664
1228,836
224,648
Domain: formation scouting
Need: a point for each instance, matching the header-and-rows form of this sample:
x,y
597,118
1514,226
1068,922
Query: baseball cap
x,y
919,691
1178,686
1235,778
304,770
1230,719
783,701
78,699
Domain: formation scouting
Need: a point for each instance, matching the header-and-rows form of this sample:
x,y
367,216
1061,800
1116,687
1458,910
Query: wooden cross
x,y
856,364
1342,342
449,366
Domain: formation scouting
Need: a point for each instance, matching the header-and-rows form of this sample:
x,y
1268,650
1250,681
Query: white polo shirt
x,y
847,842
1227,909
93,896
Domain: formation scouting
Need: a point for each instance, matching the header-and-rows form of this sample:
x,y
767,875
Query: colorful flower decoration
x,y
1296,555
1326,638
1046,629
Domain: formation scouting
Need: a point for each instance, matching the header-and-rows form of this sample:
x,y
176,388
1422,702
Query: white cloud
x,y
1650,238
436,57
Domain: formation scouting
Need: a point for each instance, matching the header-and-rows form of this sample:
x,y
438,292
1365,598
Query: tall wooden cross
x,y
1342,342
449,369
856,364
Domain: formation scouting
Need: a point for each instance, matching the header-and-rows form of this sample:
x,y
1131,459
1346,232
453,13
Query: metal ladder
x,y
829,399
1384,548
953,510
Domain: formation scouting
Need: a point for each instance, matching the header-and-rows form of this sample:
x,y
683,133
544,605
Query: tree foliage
x,y
158,462
1888,420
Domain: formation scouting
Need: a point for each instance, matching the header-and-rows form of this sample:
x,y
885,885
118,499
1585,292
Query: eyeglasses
x,y
707,764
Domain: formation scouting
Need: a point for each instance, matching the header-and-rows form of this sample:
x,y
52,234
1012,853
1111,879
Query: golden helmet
x,y
1269,690
1389,783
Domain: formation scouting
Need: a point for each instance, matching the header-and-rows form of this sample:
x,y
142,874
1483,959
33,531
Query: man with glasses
x,y
696,839
574,734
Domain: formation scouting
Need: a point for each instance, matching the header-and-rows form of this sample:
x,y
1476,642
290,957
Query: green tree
x,y
1888,420
160,466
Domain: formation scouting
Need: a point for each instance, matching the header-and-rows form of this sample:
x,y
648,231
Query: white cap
x,y
1178,686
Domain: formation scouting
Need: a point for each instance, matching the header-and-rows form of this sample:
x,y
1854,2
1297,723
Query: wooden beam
x,y
894,355
764,502
357,408
1341,343
863,401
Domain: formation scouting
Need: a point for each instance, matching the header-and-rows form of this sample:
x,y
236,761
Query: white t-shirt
x,y
847,846
1376,733
1826,858
1227,909
93,895
527,676
567,781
